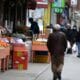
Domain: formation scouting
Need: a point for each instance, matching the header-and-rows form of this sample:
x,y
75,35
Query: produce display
x,y
39,43
20,36
3,44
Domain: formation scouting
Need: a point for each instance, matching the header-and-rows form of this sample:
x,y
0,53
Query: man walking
x,y
57,44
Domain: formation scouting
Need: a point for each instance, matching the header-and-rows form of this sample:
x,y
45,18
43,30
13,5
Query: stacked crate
x,y
40,52
41,56
4,58
20,58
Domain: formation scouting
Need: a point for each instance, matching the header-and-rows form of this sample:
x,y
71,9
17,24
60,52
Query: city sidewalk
x,y
42,71
33,71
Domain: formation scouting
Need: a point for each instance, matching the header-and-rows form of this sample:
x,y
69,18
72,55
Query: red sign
x,y
51,0
39,0
45,0
42,3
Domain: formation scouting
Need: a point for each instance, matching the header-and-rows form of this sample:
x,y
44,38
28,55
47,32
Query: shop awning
x,y
31,4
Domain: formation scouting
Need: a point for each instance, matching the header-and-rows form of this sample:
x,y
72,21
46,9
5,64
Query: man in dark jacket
x,y
57,44
71,36
78,42
34,27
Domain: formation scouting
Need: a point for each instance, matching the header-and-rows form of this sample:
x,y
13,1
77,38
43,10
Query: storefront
x,y
60,12
13,13
41,14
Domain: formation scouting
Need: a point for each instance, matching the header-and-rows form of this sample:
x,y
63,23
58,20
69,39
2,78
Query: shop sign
x,y
58,3
58,6
42,3
58,10
40,0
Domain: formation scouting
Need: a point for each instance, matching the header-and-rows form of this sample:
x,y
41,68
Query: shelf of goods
x,y
4,55
40,52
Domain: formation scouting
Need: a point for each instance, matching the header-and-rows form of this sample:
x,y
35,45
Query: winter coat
x,y
57,44
71,35
78,37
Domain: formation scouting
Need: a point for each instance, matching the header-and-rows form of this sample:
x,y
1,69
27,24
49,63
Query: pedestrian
x,y
78,42
34,28
71,34
57,44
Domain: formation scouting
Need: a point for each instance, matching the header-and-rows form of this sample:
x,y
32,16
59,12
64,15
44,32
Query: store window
x,y
37,15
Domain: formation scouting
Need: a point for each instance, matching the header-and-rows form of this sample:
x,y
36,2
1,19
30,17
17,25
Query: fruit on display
x,y
3,44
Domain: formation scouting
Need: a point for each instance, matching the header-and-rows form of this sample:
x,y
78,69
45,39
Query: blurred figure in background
x,y
78,42
34,27
57,44
71,36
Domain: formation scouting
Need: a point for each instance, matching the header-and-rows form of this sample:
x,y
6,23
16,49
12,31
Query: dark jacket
x,y
57,43
34,27
78,37
71,35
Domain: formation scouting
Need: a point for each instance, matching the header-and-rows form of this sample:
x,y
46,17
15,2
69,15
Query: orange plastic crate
x,y
20,58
